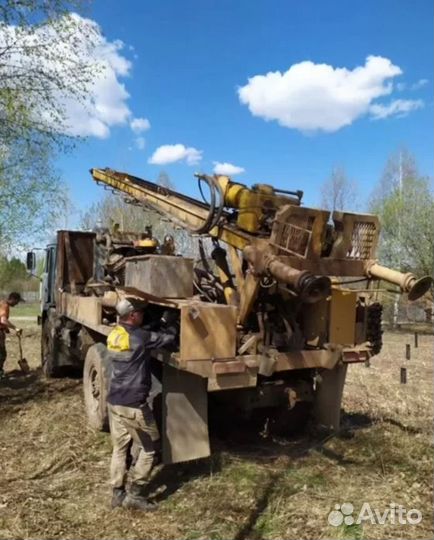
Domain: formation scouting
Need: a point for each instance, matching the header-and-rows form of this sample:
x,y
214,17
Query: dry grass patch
x,y
55,470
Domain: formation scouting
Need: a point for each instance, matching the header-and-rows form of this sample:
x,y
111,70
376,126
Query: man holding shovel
x,y
6,326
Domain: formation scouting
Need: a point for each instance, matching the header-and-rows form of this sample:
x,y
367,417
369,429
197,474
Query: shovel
x,y
22,362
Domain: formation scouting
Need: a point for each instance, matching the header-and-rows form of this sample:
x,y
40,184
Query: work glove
x,y
169,317
173,330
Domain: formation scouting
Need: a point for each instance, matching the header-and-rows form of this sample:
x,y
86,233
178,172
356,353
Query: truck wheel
x,y
96,376
48,353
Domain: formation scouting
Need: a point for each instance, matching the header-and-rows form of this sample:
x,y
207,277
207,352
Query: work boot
x,y
135,500
118,497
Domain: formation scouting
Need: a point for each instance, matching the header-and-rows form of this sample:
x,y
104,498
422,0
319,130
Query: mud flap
x,y
328,397
185,416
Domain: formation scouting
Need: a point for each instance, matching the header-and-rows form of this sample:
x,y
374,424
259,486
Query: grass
x,y
26,310
54,481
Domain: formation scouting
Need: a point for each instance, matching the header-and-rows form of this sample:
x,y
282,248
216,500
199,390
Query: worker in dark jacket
x,y
131,418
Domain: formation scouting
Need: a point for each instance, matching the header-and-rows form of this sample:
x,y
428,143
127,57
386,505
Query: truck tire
x,y
96,376
48,351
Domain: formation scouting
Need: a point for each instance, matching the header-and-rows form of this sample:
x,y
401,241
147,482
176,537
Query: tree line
x,y
14,276
35,82
404,201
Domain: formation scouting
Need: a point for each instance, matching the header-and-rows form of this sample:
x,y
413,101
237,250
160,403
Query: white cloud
x,y
227,168
312,97
415,86
140,143
419,84
169,153
397,107
138,125
71,41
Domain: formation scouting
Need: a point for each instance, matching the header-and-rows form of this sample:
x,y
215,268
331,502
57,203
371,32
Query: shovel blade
x,y
24,365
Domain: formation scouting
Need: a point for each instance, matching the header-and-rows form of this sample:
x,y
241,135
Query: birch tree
x,y
404,201
46,65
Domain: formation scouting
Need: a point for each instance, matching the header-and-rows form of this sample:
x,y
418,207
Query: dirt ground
x,y
54,470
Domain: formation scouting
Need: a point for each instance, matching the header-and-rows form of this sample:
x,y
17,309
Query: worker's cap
x,y
16,297
128,305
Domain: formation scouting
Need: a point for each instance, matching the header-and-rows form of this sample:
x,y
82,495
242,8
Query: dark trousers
x,y
3,352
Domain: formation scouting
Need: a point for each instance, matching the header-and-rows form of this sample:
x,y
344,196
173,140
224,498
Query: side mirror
x,y
31,261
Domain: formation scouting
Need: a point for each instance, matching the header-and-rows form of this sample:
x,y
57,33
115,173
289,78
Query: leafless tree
x,y
338,192
130,216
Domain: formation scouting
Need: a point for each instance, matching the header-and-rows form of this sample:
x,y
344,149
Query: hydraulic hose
x,y
215,208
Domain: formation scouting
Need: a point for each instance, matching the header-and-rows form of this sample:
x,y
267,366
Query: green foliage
x,y
29,309
11,270
37,79
350,532
32,197
14,276
404,202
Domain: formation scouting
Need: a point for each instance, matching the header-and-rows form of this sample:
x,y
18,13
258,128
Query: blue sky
x,y
188,59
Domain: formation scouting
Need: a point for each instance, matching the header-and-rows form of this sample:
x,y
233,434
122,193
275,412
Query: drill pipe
x,y
310,288
407,282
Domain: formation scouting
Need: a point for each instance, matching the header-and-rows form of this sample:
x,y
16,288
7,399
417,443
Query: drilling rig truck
x,y
269,323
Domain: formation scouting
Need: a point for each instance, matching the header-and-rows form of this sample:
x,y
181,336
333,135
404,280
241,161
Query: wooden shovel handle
x,y
20,347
